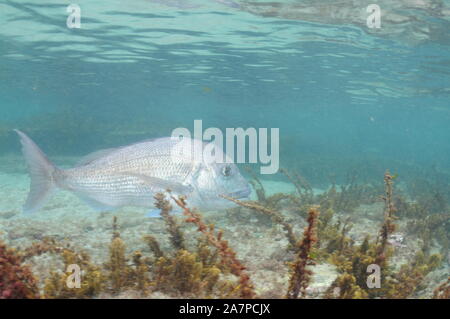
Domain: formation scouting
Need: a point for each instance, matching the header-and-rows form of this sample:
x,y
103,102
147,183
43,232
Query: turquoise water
x,y
346,98
142,69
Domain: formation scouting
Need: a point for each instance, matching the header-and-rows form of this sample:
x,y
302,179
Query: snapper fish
x,y
131,175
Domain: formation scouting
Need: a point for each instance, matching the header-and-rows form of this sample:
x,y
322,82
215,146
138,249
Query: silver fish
x,y
131,175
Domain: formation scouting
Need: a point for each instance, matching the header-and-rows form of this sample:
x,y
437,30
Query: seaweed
x,y
112,277
92,282
119,272
300,275
16,278
45,245
185,273
428,216
334,236
153,244
204,265
176,236
353,262
226,253
140,271
353,265
442,291
55,285
257,185
388,226
432,228
345,287
274,215
409,278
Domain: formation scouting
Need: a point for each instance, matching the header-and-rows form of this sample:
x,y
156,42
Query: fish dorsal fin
x,y
85,160
158,184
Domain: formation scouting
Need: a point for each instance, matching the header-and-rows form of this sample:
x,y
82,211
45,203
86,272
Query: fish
x,y
131,175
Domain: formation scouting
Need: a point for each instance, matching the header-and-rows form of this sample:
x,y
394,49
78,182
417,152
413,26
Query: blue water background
x,y
343,97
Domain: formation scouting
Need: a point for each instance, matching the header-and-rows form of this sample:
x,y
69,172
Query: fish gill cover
x,y
354,105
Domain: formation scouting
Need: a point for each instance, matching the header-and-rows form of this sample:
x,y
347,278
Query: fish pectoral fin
x,y
158,184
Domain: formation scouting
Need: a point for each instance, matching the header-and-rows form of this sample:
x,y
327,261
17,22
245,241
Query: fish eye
x,y
226,170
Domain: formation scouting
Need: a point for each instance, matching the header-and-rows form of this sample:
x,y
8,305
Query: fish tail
x,y
42,172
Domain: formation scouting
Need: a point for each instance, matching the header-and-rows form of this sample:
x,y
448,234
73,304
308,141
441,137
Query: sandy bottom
x,y
260,245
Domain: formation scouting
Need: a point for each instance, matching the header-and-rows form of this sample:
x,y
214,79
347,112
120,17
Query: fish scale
x,y
106,179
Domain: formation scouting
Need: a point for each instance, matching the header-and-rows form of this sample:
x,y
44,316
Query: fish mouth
x,y
243,193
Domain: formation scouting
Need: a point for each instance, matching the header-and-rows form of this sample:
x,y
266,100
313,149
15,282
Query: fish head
x,y
213,174
216,179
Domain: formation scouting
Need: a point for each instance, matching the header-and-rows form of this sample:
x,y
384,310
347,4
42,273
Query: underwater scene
x,y
192,149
